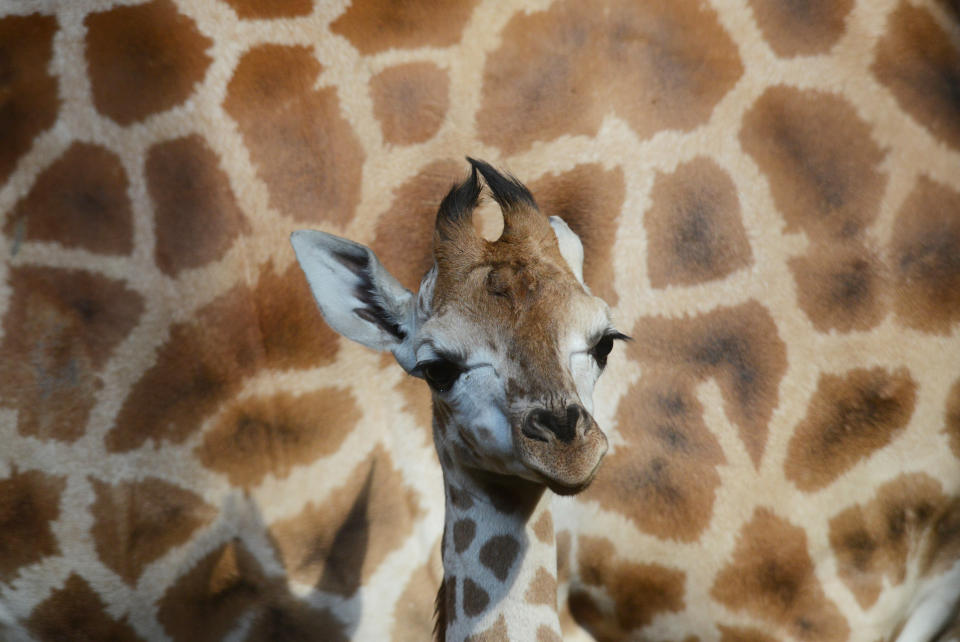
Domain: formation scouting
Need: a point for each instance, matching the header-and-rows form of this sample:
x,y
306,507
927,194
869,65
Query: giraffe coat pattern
x,y
768,197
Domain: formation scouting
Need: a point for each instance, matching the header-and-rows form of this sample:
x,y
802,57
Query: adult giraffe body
x,y
768,198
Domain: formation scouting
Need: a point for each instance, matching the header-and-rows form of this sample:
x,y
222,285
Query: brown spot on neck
x,y
499,554
463,532
475,599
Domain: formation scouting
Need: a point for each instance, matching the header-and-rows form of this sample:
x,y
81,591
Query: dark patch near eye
x,y
499,554
475,599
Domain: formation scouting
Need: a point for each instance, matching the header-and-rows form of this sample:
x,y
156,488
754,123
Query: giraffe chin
x,y
566,469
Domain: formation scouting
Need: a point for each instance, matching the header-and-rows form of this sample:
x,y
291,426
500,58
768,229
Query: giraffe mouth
x,y
565,467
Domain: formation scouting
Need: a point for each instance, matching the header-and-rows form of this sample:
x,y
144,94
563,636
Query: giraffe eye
x,y
601,349
441,374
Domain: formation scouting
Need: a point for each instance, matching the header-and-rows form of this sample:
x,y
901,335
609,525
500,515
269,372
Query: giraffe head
x,y
506,334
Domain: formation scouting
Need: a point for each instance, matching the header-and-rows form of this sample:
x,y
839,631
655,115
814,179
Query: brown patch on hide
x,y
410,101
335,545
542,589
28,92
414,609
639,592
61,328
373,26
29,503
665,478
801,28
925,258
849,418
739,347
143,59
197,218
496,633
272,435
919,62
659,66
872,541
209,599
300,144
823,166
404,233
76,612
80,200
694,229
270,9
840,286
772,578
137,523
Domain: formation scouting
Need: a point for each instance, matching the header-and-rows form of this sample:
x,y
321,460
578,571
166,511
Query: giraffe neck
x,y
499,560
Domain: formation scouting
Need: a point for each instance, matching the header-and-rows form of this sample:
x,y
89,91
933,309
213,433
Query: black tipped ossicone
x,y
507,190
460,201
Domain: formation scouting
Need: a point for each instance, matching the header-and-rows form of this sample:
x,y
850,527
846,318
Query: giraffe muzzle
x,y
563,448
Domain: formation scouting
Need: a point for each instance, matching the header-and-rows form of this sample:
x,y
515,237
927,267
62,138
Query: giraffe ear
x,y
570,247
357,296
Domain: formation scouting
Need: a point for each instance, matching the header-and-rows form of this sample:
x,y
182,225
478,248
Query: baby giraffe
x,y
511,342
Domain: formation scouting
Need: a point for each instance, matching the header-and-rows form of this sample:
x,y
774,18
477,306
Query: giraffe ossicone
x,y
511,342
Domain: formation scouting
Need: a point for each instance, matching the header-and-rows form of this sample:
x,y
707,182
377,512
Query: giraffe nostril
x,y
541,424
